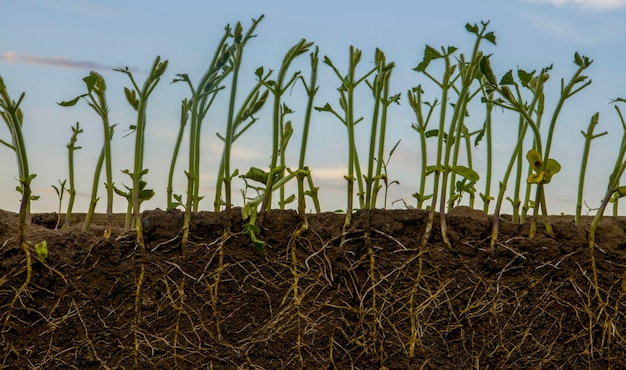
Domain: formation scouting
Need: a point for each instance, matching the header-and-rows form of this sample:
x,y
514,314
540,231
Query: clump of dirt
x,y
367,298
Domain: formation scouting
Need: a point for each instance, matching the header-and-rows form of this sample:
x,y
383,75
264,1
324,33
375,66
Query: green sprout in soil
x,y
138,98
349,82
281,129
71,190
252,105
184,117
202,97
543,167
303,170
417,104
96,99
467,72
13,117
60,190
589,136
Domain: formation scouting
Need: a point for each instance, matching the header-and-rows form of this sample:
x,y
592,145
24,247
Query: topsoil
x,y
367,298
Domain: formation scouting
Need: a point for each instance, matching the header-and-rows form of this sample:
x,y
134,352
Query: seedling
x,y
60,190
349,82
71,147
96,99
253,104
415,100
303,171
197,106
138,99
184,117
589,136
281,129
467,72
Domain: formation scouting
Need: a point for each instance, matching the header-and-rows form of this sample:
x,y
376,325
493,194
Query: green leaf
x,y
491,37
473,28
257,175
430,54
507,79
525,77
485,68
71,103
466,172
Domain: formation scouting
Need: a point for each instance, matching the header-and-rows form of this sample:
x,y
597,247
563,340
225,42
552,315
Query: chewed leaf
x,y
534,159
430,53
71,103
466,172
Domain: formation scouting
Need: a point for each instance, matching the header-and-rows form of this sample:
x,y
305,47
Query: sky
x,y
48,46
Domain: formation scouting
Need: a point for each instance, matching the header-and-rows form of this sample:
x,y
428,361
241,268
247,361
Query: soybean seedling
x,y
13,117
589,136
614,191
60,190
281,129
253,103
349,82
448,142
542,165
184,117
71,147
382,101
138,99
242,121
96,99
416,103
303,171
202,97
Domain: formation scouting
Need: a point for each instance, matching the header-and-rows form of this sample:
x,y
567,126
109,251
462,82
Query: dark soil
x,y
365,299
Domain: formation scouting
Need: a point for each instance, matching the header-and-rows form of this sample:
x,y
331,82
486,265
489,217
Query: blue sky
x,y
48,46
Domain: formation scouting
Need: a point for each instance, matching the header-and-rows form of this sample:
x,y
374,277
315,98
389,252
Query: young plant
x,y
253,103
96,99
467,72
60,190
303,171
184,117
71,147
281,129
589,136
380,91
94,187
13,117
614,190
349,82
202,97
542,165
415,100
138,99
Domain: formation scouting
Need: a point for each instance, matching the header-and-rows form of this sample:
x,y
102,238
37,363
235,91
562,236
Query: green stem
x,y
589,136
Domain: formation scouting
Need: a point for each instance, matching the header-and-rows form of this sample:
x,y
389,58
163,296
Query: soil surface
x,y
367,298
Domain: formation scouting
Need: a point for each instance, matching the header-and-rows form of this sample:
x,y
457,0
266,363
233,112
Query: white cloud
x,y
26,58
597,5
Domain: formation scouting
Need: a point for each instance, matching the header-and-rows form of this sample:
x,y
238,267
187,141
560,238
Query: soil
x,y
367,298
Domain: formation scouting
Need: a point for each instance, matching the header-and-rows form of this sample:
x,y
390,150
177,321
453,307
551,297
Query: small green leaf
x,y
430,54
473,28
466,172
507,79
485,68
491,37
71,103
525,77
